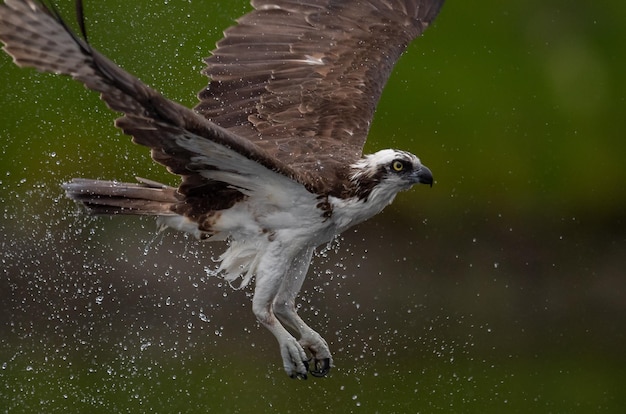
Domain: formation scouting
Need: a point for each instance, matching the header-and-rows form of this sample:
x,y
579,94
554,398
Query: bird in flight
x,y
270,159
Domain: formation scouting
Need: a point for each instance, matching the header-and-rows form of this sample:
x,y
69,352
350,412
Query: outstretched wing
x,y
36,36
302,79
293,86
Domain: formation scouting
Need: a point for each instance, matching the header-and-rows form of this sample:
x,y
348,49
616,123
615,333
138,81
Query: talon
x,y
298,376
321,367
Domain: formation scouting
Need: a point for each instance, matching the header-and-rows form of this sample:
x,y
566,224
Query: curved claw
x,y
301,376
320,368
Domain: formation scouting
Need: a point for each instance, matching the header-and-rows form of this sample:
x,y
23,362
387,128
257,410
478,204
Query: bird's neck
x,y
347,212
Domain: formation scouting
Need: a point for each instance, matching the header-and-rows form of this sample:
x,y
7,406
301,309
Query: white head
x,y
382,175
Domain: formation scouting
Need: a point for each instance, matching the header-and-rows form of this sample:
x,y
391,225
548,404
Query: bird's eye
x,y
397,166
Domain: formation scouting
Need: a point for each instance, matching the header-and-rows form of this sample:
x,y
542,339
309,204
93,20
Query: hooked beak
x,y
423,176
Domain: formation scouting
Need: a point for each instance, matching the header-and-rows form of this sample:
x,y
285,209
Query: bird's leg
x,y
285,309
267,286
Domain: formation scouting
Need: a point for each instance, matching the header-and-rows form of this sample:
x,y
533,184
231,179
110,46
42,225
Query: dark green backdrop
x,y
501,289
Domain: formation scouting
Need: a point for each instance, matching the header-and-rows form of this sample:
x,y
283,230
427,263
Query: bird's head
x,y
383,174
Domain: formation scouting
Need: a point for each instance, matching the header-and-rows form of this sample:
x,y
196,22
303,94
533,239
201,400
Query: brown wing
x,y
294,85
301,78
36,36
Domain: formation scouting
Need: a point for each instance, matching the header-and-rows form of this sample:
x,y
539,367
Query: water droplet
x,y
204,318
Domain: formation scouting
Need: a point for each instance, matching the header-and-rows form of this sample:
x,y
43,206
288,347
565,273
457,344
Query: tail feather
x,y
111,197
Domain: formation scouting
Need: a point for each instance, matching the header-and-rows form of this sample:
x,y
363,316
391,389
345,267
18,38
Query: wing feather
x,y
318,68
36,36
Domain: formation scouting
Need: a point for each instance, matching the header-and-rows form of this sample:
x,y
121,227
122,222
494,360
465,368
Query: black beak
x,y
424,176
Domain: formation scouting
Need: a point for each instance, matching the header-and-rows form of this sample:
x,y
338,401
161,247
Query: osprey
x,y
270,159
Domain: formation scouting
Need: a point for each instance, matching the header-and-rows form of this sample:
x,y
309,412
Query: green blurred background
x,y
501,289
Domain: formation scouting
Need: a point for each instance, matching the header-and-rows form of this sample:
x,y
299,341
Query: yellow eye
x,y
397,166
